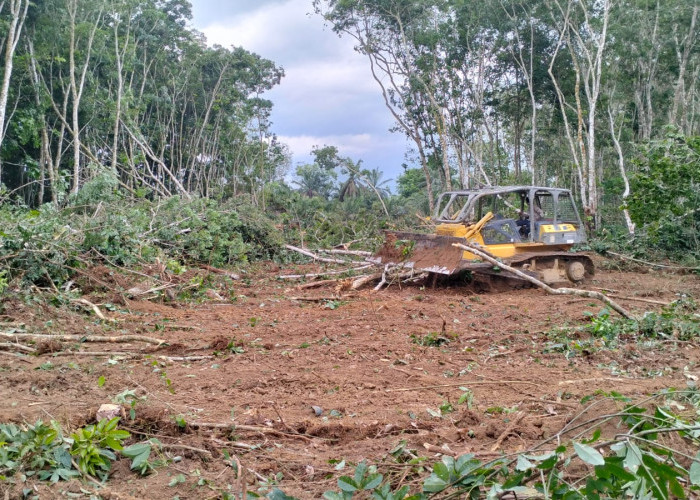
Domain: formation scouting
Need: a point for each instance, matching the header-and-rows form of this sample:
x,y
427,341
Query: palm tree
x,y
313,180
351,187
374,179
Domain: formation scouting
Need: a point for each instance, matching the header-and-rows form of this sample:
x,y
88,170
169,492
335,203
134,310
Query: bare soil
x,y
312,378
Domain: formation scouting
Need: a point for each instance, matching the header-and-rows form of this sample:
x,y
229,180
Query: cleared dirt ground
x,y
357,358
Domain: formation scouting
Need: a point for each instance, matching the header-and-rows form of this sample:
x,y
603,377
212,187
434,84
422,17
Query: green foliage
x,y
49,243
365,478
315,180
102,188
3,281
678,320
42,451
603,326
93,446
432,339
317,222
666,195
34,450
130,398
139,454
635,464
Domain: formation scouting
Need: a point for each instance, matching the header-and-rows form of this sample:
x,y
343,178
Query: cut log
x,y
363,280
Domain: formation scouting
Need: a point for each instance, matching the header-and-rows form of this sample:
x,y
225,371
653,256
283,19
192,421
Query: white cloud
x,y
285,32
328,96
349,145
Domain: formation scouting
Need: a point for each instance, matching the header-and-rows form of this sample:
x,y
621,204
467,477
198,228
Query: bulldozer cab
x,y
520,214
530,227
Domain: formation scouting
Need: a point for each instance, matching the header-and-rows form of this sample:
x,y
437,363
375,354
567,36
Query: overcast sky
x,y
328,96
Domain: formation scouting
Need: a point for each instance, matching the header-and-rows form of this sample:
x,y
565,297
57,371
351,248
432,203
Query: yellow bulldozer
x,y
530,228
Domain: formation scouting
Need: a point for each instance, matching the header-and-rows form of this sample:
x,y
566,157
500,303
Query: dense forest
x,y
105,100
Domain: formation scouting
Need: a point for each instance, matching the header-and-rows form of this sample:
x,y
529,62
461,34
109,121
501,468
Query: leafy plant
x,y
432,339
129,397
365,478
93,446
43,451
467,397
331,304
234,347
34,450
405,247
139,454
639,465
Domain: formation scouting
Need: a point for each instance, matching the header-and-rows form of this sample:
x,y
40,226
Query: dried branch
x,y
358,253
19,347
309,253
94,308
316,275
553,291
83,338
652,264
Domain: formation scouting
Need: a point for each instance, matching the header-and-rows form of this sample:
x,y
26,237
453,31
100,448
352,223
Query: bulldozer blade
x,y
422,252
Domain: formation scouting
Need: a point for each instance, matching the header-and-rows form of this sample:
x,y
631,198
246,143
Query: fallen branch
x,y
94,308
83,338
316,275
357,253
314,299
174,446
388,279
136,291
234,444
308,253
129,354
553,291
511,427
600,379
652,264
222,272
16,355
316,284
465,383
19,347
173,326
93,353
638,299
383,281
184,358
249,428
346,246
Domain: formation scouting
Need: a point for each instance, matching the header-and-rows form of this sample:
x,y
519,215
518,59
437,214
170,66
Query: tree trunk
x,y
18,12
623,172
687,43
77,86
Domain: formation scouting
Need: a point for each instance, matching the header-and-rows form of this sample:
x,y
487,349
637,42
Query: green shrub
x,y
36,245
